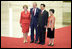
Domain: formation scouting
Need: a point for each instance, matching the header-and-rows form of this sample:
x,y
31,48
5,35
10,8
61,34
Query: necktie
x,y
33,11
41,12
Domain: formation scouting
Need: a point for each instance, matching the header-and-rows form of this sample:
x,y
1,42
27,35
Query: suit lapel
x,y
43,13
36,11
32,10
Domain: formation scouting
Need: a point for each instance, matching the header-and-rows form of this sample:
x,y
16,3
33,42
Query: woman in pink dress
x,y
51,27
25,22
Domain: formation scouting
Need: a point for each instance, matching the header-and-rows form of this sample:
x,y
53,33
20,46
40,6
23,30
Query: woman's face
x,y
50,12
25,8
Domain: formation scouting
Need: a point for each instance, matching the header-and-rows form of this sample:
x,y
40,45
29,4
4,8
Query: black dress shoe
x,y
35,41
42,43
39,43
32,42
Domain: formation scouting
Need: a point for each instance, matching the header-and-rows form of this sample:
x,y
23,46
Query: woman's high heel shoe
x,y
52,44
24,41
49,44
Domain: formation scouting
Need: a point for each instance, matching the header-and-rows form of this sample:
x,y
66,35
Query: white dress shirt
x,y
34,11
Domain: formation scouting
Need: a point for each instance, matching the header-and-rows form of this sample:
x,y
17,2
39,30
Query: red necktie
x,y
33,11
41,12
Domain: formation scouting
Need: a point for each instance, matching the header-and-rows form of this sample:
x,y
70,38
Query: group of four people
x,y
40,20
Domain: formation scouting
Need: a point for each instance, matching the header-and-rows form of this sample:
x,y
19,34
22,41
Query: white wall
x,y
16,7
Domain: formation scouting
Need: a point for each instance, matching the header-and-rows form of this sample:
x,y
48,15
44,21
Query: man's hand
x,y
45,26
37,25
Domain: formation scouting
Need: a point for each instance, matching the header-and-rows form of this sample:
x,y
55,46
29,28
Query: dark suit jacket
x,y
34,19
43,18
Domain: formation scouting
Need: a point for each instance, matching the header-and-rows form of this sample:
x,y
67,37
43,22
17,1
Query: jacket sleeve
x,y
46,20
31,11
21,18
53,22
29,18
38,15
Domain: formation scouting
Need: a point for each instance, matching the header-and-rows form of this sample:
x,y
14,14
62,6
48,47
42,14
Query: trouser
x,y
41,34
34,25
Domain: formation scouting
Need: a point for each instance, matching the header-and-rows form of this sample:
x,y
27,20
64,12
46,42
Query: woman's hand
x,y
45,26
51,29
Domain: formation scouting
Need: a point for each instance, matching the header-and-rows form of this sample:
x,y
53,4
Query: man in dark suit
x,y
42,23
34,20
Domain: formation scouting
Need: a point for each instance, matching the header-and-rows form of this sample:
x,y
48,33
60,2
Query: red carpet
x,y
62,40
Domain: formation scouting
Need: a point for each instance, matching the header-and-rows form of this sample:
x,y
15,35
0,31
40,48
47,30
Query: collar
x,y
42,10
27,11
34,8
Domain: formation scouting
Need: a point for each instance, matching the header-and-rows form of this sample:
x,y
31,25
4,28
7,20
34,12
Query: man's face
x,y
34,5
41,6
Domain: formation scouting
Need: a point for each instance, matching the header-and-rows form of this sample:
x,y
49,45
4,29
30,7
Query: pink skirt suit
x,y
25,21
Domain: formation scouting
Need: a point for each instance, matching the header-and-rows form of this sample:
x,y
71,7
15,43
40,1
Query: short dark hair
x,y
52,10
43,5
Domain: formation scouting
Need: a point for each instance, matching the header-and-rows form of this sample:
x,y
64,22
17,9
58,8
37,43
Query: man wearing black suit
x,y
42,23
